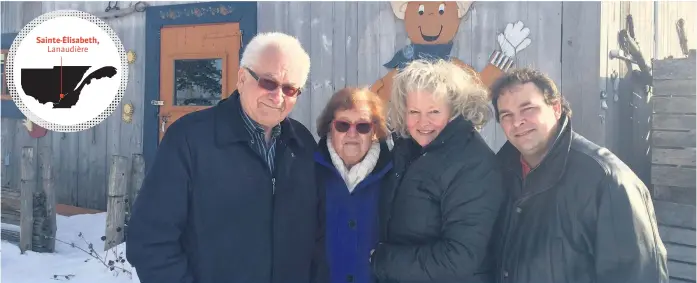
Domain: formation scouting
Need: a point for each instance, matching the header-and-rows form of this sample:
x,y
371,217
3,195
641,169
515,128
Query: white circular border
x,y
15,94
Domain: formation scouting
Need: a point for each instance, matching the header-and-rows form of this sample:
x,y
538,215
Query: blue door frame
x,y
157,17
9,108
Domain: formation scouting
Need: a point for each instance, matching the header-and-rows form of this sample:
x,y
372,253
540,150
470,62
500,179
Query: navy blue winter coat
x,y
352,228
207,213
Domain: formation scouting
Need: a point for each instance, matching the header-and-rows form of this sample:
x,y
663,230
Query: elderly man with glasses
x,y
231,195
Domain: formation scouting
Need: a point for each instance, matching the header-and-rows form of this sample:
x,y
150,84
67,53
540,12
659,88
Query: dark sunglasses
x,y
361,127
271,85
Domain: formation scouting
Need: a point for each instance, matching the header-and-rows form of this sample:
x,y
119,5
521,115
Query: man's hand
x,y
514,39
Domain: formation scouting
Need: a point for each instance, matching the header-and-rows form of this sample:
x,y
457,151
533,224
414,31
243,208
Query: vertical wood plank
x,y
669,12
340,44
642,14
137,176
21,140
67,181
611,73
9,130
603,60
486,21
49,190
27,189
385,36
352,56
369,64
545,23
116,207
112,124
267,11
463,43
321,46
299,20
580,66
92,168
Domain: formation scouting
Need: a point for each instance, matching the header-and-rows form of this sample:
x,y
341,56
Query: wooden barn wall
x,y
80,160
624,125
667,14
348,43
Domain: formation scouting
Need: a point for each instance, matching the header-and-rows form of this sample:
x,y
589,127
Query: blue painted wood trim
x,y
7,39
156,17
9,108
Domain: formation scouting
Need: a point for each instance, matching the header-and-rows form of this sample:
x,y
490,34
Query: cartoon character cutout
x,y
431,28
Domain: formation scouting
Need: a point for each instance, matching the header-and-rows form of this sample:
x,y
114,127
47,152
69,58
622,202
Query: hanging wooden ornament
x,y
34,130
131,56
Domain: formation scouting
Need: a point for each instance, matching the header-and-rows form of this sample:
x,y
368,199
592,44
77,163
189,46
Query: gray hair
x,y
287,44
461,90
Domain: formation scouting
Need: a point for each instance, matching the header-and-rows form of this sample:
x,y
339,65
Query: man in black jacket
x,y
231,195
574,212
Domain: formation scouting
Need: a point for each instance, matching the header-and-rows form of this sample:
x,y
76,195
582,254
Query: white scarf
x,y
359,171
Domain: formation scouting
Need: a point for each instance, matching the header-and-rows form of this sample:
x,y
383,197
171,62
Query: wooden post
x,y
27,186
48,187
116,206
138,171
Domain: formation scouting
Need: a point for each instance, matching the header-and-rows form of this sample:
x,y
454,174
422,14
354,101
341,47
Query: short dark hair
x,y
348,98
522,76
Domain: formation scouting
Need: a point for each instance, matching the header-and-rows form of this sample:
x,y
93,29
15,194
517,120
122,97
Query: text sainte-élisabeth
x,y
63,41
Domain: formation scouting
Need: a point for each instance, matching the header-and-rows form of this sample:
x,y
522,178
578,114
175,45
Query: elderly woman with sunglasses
x,y
443,195
351,161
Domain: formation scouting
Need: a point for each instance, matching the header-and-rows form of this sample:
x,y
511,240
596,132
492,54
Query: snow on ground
x,y
68,261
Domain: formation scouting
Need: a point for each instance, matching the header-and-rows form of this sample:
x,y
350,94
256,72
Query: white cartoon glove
x,y
513,40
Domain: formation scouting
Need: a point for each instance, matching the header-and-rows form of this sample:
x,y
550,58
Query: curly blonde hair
x,y
461,90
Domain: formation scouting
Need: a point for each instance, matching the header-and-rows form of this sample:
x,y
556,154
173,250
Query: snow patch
x,y
68,263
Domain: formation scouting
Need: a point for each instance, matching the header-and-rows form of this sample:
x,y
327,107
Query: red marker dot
x,y
62,95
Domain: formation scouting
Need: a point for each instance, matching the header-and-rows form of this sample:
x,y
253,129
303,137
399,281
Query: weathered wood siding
x,y
348,43
667,14
673,161
624,124
81,160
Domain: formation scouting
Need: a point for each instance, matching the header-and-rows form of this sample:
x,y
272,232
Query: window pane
x,y
198,82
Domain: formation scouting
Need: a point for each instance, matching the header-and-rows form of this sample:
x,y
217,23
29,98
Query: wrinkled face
x,y
352,134
526,119
263,103
426,117
431,22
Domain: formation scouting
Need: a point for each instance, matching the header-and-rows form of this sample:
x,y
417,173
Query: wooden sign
x,y
432,27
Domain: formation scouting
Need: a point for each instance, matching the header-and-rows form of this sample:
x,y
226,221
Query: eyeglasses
x,y
361,127
271,85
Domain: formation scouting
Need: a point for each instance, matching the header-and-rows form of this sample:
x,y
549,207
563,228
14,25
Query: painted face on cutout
x,y
352,134
426,117
263,103
431,22
526,119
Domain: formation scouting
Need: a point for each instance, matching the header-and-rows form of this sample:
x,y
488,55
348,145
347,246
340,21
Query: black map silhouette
x,y
45,84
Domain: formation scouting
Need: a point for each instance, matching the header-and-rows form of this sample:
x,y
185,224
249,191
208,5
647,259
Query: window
x,y
198,82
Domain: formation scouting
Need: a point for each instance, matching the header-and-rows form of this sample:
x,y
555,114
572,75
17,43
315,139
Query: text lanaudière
x,y
67,39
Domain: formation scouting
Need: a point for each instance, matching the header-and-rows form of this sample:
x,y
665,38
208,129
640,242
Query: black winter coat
x,y
438,208
581,216
207,213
